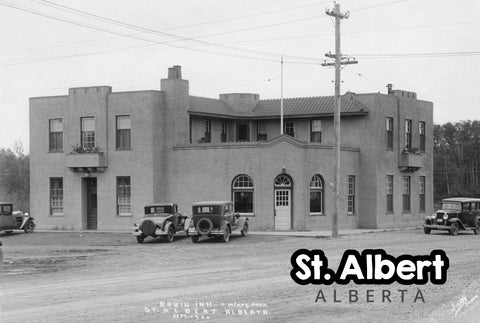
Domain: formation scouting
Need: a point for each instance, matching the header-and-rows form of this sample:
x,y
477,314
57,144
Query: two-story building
x,y
98,157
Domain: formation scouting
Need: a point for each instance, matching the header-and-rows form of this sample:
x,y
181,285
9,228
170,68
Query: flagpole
x,y
281,95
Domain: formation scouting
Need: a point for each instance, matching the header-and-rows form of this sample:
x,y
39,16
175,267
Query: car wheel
x,y
140,239
170,234
244,231
477,227
226,235
194,239
427,230
454,229
29,227
9,232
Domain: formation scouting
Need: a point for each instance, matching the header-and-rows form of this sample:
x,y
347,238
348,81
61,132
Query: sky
x,y
431,47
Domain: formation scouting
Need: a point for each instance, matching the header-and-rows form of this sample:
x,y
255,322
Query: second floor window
x,y
408,134
262,131
289,130
207,131
316,132
389,129
88,133
223,133
421,131
56,135
124,126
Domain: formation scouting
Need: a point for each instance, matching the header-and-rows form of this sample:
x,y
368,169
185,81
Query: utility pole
x,y
339,60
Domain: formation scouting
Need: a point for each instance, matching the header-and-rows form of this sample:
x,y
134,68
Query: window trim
x,y
51,196
320,189
50,133
82,143
408,134
349,177
422,135
312,133
388,211
117,196
246,189
409,210
389,129
292,124
117,131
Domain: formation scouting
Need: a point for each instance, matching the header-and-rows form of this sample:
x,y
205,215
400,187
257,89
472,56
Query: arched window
x,y
242,192
316,195
283,181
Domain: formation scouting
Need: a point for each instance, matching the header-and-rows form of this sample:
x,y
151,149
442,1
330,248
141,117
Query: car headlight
x,y
445,216
434,216
25,214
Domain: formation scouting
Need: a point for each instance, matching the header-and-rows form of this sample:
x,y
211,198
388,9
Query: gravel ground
x,y
102,277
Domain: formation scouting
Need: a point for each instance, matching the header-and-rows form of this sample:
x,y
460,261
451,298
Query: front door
x,y
91,203
283,209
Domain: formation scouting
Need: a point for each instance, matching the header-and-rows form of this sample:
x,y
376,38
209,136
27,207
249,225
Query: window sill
x,y
125,215
59,215
316,214
55,151
351,214
246,214
123,149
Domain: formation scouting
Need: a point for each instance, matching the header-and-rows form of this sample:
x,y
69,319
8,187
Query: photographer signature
x,y
462,303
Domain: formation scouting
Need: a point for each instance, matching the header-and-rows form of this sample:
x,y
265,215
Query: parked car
x,y
459,213
161,219
14,220
216,219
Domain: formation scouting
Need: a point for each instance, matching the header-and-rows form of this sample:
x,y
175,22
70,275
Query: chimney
x,y
175,72
389,88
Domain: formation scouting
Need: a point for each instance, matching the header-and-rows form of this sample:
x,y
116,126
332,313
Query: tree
x,y
15,177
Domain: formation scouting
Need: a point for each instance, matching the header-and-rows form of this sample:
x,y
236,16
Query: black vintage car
x,y
216,219
459,213
161,219
14,220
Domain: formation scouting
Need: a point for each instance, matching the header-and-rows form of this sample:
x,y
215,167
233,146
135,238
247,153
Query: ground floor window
x,y
56,196
124,206
406,194
316,195
389,194
351,195
421,192
242,192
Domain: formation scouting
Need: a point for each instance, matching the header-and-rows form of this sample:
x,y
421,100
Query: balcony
x,y
410,161
87,162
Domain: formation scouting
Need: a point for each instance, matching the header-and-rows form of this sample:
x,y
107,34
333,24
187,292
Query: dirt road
x,y
83,277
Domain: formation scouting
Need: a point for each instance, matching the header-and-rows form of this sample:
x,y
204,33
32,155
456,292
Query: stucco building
x,y
98,157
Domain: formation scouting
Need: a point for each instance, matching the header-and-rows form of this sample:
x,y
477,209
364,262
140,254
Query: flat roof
x,y
461,199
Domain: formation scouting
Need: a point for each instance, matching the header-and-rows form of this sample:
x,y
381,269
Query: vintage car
x,y
216,219
459,213
161,219
14,220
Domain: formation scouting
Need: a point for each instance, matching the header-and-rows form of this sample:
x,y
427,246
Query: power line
x,y
164,43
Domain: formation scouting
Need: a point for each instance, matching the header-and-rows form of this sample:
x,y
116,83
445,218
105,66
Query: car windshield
x,y
451,206
162,210
207,209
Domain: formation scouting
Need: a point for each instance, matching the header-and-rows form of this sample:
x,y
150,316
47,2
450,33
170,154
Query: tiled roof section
x,y
210,106
271,108
307,106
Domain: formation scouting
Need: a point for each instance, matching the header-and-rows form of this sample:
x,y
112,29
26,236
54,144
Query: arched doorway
x,y
283,202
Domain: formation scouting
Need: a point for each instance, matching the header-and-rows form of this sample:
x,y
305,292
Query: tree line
x,y
456,155
15,177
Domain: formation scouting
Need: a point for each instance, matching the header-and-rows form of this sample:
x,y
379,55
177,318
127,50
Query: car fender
x,y
167,226
241,222
460,223
224,226
187,222
24,221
